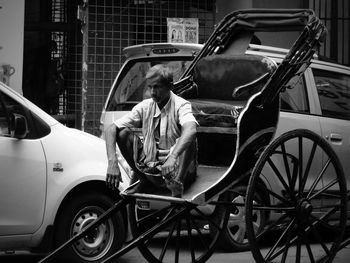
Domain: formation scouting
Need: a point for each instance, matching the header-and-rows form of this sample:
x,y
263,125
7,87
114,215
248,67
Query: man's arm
x,y
188,135
132,119
113,177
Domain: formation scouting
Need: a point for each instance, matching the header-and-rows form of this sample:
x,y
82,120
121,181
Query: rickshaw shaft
x,y
147,234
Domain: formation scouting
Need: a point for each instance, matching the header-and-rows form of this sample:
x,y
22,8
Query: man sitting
x,y
169,146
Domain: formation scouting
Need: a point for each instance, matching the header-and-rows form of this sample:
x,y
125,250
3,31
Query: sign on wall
x,y
182,30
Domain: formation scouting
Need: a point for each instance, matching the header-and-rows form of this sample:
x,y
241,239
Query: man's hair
x,y
163,72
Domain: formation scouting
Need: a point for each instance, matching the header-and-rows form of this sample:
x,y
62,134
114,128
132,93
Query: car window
x,y
131,88
294,98
8,105
334,93
37,127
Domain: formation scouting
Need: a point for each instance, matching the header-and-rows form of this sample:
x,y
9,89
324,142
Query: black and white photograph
x,y
174,131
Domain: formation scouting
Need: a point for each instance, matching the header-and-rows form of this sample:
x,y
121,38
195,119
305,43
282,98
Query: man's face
x,y
159,92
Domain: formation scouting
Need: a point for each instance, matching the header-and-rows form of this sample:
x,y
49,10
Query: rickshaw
x,y
289,201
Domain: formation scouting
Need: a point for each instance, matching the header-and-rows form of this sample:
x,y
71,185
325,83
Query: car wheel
x,y
98,244
234,237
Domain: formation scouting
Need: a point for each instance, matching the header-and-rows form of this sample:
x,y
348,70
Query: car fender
x,y
73,158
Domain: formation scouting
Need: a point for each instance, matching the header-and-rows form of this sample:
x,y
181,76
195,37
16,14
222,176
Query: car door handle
x,y
334,137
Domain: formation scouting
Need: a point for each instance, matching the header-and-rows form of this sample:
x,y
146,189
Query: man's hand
x,y
113,177
188,135
169,166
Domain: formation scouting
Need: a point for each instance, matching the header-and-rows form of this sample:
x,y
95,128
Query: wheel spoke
x,y
167,242
155,214
308,166
279,176
295,173
286,165
168,214
286,247
321,191
309,251
189,232
314,184
319,238
325,224
325,207
277,208
270,255
277,196
332,195
298,250
328,214
201,237
178,235
271,226
300,144
322,221
295,240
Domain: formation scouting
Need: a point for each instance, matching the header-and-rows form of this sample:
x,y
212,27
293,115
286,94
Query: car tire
x,y
101,242
234,237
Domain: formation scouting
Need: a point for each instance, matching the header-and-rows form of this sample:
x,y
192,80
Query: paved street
x,y
133,256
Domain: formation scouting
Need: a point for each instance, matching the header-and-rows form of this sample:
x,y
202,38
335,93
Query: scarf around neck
x,y
150,122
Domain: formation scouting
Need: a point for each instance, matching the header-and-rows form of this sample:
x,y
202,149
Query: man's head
x,y
159,82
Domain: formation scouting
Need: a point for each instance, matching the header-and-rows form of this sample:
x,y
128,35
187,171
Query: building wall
x,y
11,40
225,7
335,14
278,4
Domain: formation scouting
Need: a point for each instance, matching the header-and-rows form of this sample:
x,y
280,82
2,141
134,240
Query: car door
x,y
333,89
22,174
297,112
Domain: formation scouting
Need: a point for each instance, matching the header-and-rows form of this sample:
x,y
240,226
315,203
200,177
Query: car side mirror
x,y
19,126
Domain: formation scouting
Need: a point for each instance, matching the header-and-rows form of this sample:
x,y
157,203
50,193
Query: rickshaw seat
x,y
218,76
224,82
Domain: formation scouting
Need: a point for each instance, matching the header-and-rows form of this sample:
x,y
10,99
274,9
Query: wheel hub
x,y
304,209
94,236
95,243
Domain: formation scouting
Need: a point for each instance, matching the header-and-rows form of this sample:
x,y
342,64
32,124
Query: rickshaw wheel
x,y
307,192
186,239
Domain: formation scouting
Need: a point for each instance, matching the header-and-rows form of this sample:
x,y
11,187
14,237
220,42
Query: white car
x,y
52,184
319,101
